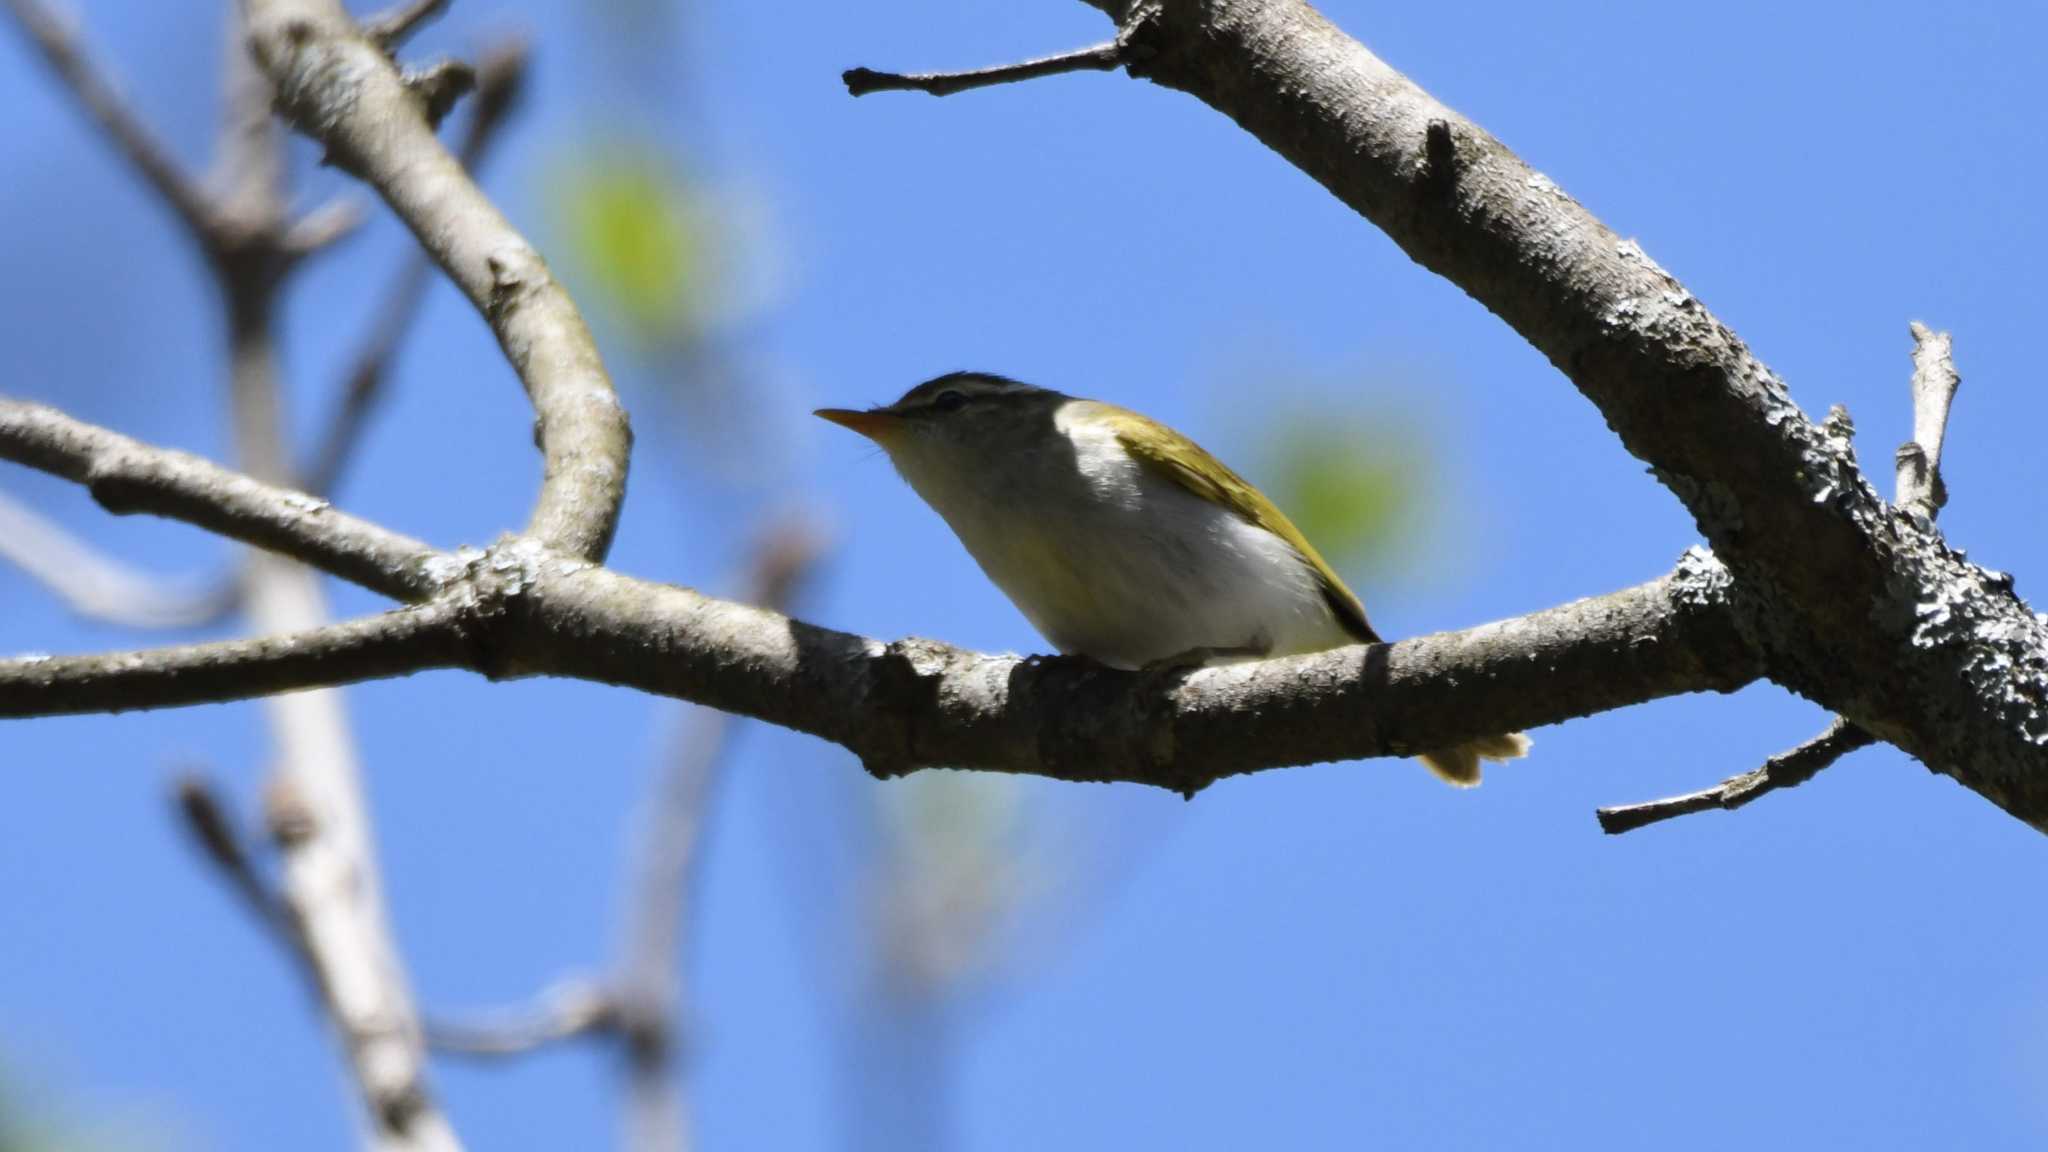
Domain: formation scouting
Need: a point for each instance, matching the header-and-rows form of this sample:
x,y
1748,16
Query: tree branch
x,y
653,980
396,643
214,831
1834,583
320,229
500,79
1785,770
1920,491
1099,58
338,87
571,1009
390,29
59,49
519,609
98,587
126,476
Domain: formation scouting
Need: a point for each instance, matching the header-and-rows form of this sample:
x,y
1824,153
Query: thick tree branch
x,y
126,476
1920,491
329,894
59,49
1834,583
916,704
337,86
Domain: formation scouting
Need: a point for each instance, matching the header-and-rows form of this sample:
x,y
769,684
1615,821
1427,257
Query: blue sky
x,y
1343,955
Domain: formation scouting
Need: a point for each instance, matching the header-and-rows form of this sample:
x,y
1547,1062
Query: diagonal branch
x,y
97,586
60,50
338,87
126,476
390,29
652,984
500,79
1920,491
1785,770
1837,583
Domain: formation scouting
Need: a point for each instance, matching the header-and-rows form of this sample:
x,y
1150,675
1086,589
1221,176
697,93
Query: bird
x,y
1120,539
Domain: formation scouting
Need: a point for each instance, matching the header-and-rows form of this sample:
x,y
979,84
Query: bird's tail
x,y
1459,766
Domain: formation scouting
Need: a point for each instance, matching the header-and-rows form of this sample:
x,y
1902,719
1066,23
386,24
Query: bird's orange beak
x,y
873,423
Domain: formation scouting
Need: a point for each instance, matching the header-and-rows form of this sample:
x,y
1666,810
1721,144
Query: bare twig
x,y
390,30
1785,770
653,981
438,85
341,89
60,50
329,896
322,228
1920,488
501,77
216,834
571,1009
98,587
1098,58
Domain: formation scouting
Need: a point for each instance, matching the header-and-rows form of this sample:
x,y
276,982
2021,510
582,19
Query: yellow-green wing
x,y
1177,458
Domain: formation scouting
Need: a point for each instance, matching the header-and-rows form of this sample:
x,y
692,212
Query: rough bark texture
x,y
1831,582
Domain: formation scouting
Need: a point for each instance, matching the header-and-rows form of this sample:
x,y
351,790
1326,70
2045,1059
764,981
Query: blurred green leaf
x,y
1353,485
635,235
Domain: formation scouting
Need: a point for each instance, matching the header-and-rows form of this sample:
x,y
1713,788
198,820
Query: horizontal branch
x,y
569,1010
1099,58
395,643
340,88
519,609
126,476
915,703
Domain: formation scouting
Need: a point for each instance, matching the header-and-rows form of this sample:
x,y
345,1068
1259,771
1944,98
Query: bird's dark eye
x,y
948,401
